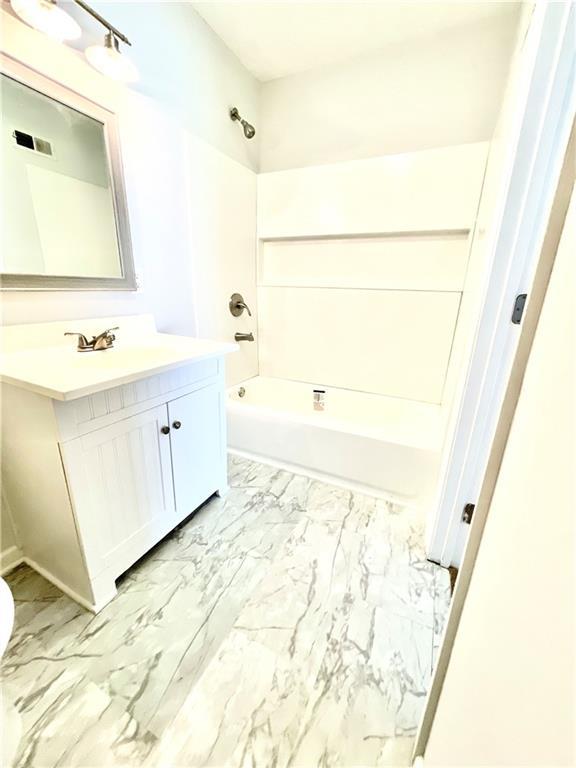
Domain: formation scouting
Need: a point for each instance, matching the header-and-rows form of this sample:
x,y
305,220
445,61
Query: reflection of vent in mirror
x,y
32,142
62,218
24,139
41,145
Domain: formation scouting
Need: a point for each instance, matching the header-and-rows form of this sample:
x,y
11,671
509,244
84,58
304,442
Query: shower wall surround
x,y
361,270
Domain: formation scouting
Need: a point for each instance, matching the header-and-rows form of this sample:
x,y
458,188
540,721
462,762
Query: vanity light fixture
x,y
108,60
48,17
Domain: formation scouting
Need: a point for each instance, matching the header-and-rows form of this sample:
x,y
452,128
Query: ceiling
x,y
273,39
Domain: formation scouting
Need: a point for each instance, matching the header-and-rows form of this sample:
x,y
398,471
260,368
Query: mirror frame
x,y
58,92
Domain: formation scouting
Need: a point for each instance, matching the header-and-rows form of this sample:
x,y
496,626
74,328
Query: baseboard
x,y
348,485
62,587
10,558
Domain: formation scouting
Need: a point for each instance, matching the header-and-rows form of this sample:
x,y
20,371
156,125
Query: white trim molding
x,y
10,558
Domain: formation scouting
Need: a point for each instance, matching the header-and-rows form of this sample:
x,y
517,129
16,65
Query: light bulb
x,y
47,17
108,60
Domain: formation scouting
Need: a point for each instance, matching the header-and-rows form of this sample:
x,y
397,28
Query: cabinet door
x,y
120,480
197,453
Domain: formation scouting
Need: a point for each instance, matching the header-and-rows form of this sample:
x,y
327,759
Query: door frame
x,y
543,114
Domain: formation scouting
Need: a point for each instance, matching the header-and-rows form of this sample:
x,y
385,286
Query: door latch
x,y
518,310
468,513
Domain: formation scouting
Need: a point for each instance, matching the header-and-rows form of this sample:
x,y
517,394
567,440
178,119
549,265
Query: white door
x,y
120,480
195,436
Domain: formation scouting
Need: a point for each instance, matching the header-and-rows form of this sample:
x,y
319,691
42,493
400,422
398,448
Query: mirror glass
x,y
58,207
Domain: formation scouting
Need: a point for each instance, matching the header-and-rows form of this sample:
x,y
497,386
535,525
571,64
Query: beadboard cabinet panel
x,y
120,480
77,417
196,447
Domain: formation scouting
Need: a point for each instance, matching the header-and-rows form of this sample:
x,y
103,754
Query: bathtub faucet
x,y
243,337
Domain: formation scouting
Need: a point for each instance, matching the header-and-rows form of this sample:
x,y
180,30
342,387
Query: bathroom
x,y
251,394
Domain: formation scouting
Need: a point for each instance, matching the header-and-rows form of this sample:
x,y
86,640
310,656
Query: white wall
x,y
186,68
10,552
222,200
154,142
424,93
509,697
366,261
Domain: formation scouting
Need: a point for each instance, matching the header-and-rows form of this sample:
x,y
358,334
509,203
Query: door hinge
x,y
518,310
468,513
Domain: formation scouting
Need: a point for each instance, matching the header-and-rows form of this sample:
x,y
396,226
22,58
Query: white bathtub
x,y
381,443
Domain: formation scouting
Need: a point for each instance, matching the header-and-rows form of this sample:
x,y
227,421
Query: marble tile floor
x,y
292,623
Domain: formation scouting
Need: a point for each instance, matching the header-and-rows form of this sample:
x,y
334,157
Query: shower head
x,y
249,130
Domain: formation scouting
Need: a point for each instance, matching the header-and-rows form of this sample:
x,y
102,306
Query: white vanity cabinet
x,y
93,482
132,481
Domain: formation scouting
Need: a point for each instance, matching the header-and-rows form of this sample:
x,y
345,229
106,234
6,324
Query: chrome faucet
x,y
104,340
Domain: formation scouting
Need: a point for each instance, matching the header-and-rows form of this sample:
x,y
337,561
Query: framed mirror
x,y
64,215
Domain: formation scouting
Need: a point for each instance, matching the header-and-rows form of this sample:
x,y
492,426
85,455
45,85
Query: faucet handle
x,y
237,305
83,342
104,339
107,333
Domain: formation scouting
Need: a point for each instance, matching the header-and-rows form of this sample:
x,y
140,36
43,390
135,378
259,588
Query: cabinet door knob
x,y
176,424
165,430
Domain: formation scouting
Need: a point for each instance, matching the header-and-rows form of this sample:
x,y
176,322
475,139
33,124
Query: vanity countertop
x,y
62,373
